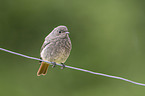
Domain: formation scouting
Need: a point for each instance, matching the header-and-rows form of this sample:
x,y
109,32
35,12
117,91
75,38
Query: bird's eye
x,y
59,31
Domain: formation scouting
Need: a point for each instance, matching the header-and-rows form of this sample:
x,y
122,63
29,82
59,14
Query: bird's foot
x,y
54,64
40,61
63,65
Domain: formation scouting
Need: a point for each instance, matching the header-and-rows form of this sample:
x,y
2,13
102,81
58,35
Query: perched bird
x,y
56,49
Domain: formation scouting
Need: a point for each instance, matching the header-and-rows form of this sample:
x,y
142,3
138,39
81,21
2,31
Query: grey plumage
x,y
56,47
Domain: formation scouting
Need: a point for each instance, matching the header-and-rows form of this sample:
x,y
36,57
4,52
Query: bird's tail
x,y
43,69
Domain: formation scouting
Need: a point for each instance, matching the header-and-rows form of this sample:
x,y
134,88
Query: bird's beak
x,y
67,32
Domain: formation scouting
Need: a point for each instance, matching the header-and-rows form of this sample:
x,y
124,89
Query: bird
x,y
55,49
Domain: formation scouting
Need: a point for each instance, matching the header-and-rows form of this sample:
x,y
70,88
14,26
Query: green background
x,y
107,36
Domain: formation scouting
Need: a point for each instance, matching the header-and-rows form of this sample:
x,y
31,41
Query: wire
x,y
80,69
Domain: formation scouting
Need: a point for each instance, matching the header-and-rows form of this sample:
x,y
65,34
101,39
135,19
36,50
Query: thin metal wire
x,y
80,69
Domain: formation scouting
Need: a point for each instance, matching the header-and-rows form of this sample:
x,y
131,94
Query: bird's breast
x,y
57,51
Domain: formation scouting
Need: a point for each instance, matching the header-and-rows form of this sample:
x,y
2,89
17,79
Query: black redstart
x,y
56,49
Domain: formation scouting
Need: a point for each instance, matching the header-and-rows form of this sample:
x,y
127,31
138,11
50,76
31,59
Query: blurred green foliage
x,y
107,36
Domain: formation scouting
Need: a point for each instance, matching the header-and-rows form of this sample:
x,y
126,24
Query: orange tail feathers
x,y
43,69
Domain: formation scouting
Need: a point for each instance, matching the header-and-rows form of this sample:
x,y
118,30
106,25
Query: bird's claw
x,y
63,65
54,64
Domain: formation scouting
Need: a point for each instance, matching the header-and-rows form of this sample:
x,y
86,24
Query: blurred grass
x,y
107,36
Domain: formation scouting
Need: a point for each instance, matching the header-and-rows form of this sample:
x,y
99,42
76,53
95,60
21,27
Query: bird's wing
x,y
44,45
